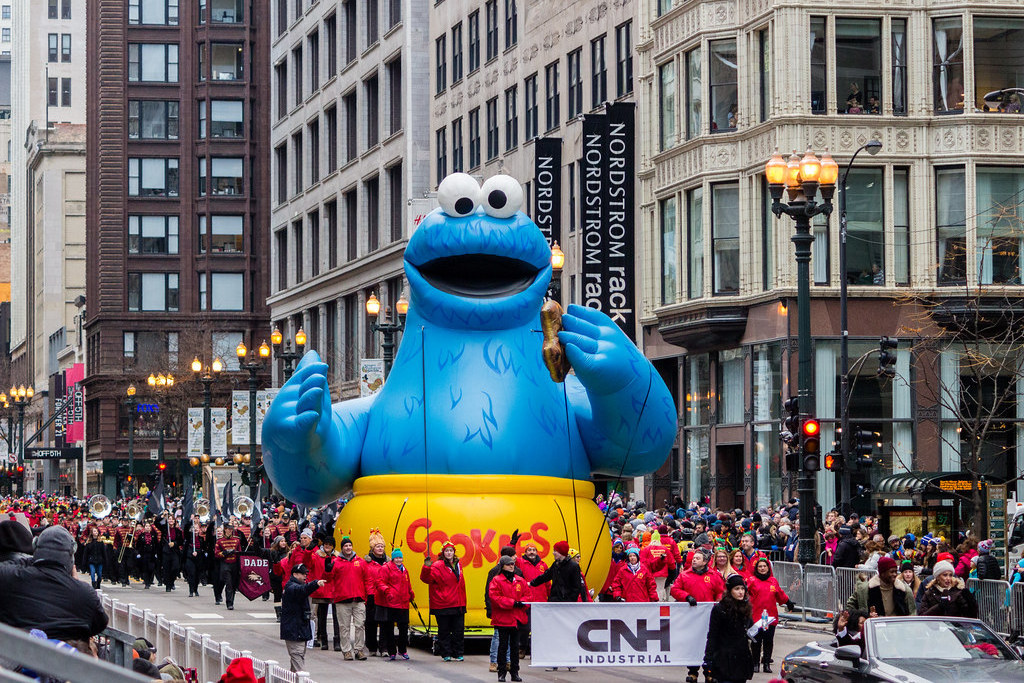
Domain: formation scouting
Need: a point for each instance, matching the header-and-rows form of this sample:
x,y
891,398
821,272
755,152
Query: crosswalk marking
x,y
261,615
203,615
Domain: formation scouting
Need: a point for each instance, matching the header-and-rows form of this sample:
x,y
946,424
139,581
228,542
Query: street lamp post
x,y
284,352
389,328
557,263
802,178
206,374
160,382
253,366
130,401
872,147
21,396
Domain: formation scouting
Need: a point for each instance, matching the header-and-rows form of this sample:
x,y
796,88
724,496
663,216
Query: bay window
x,y
998,61
153,120
222,232
667,104
723,85
865,232
669,251
951,225
695,242
948,65
725,237
858,66
222,292
999,236
152,291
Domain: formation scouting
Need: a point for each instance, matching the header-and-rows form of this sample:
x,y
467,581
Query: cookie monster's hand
x,y
308,450
603,357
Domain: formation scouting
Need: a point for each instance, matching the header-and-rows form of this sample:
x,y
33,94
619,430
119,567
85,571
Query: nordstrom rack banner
x,y
607,198
603,633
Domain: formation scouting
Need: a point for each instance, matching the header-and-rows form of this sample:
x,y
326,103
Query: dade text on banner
x,y
603,633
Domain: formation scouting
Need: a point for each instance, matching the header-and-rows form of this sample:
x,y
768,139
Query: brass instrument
x,y
203,510
100,506
243,507
134,511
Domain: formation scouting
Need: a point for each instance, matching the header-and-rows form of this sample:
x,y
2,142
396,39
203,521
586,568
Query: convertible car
x,y
910,650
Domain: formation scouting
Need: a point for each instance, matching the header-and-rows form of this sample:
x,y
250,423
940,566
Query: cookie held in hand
x,y
554,351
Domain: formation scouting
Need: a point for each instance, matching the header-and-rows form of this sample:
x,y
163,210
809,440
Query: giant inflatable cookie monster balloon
x,y
470,439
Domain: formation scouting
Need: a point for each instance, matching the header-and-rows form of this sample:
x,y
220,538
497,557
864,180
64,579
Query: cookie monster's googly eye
x,y
501,196
458,195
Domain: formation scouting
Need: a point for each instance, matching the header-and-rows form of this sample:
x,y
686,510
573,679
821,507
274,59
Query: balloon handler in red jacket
x,y
447,584
698,584
765,597
506,592
393,607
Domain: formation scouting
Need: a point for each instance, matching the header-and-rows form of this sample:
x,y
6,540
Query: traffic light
x,y
21,470
833,461
162,466
791,424
862,446
129,478
887,356
810,444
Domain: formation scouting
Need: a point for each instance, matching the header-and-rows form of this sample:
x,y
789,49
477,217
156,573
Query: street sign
x,y
997,520
53,453
154,454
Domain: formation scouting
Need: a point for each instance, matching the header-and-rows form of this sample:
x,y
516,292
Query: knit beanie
x,y
397,552
985,547
55,544
941,567
15,537
733,581
885,564
562,547
633,550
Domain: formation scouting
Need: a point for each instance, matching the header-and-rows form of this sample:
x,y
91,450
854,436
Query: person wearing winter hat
x,y
447,585
727,654
565,577
15,541
699,583
765,597
375,559
885,594
43,593
947,595
507,592
348,580
988,566
634,582
396,594
296,615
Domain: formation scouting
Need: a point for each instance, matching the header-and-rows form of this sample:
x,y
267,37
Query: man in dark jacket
x,y
43,593
847,552
565,577
296,615
988,566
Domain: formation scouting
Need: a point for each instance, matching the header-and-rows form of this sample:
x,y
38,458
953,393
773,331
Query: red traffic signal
x,y
162,466
830,462
21,469
129,478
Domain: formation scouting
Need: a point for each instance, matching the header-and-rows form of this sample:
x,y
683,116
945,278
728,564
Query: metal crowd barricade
x,y
820,597
847,579
1015,601
991,598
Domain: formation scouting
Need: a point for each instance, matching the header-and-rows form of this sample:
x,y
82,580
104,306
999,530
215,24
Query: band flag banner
x,y
253,576
619,633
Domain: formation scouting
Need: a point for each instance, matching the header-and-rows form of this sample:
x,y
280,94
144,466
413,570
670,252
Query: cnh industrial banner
x,y
603,633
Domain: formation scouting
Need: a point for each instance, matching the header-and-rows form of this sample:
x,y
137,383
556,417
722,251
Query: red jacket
x,y
612,571
658,558
446,589
635,586
504,593
765,594
395,589
317,571
530,572
372,572
350,579
296,557
706,587
963,568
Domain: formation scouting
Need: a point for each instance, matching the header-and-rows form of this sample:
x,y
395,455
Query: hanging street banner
x,y
219,432
240,418
619,633
74,429
253,576
607,198
195,432
60,408
547,183
371,376
263,400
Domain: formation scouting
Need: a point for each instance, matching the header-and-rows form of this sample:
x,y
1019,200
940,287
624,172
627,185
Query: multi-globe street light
x,y
284,352
247,465
389,328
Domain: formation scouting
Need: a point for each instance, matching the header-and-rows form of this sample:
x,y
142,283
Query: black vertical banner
x,y
58,404
593,213
547,187
620,238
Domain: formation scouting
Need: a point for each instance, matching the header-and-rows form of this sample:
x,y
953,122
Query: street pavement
x,y
252,626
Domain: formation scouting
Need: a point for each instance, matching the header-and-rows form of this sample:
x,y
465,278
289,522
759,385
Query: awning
x,y
928,484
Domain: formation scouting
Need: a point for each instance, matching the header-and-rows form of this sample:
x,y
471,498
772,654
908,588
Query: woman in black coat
x,y
727,653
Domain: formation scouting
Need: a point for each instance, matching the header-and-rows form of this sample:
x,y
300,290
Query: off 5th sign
x,y
603,633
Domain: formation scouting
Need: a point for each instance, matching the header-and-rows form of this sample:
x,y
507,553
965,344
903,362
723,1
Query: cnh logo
x,y
606,635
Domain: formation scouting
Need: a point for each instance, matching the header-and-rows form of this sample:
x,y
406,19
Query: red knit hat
x,y
562,547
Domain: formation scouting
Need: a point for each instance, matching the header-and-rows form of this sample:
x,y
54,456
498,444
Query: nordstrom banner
x,y
603,633
547,191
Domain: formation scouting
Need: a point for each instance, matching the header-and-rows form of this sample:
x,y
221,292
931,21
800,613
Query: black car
x,y
910,650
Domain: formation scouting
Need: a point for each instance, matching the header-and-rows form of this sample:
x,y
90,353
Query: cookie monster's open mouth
x,y
479,275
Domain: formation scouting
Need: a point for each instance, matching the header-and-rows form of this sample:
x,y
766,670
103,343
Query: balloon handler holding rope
x,y
473,435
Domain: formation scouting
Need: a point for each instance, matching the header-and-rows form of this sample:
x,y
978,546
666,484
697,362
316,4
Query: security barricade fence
x,y
991,597
186,646
1015,602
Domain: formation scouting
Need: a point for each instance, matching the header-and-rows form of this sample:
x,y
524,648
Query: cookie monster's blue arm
x,y
624,411
312,450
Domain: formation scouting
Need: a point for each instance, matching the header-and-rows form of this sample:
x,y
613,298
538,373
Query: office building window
x,y
859,72
298,165
331,219
348,16
511,119
227,62
998,62
532,111
474,41
695,242
393,70
313,49
394,12
623,59
65,92
819,66
225,234
723,85
552,100
669,251
371,189
298,76
764,73
331,123
281,90
951,225
575,105
492,128
457,52
154,62
225,176
152,178
222,11
282,16
457,145
441,72
372,87
152,234
694,93
153,12
948,65
350,204
226,118
225,292
599,73
153,119
313,132
474,138
52,95
667,104
372,22
767,237
821,259
865,227
52,43
298,239
331,38
65,9
999,206
5,11
281,164
65,47
664,6
511,24
725,237
901,226
899,66
313,219
348,106
51,9
441,142
152,291
396,201
491,19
